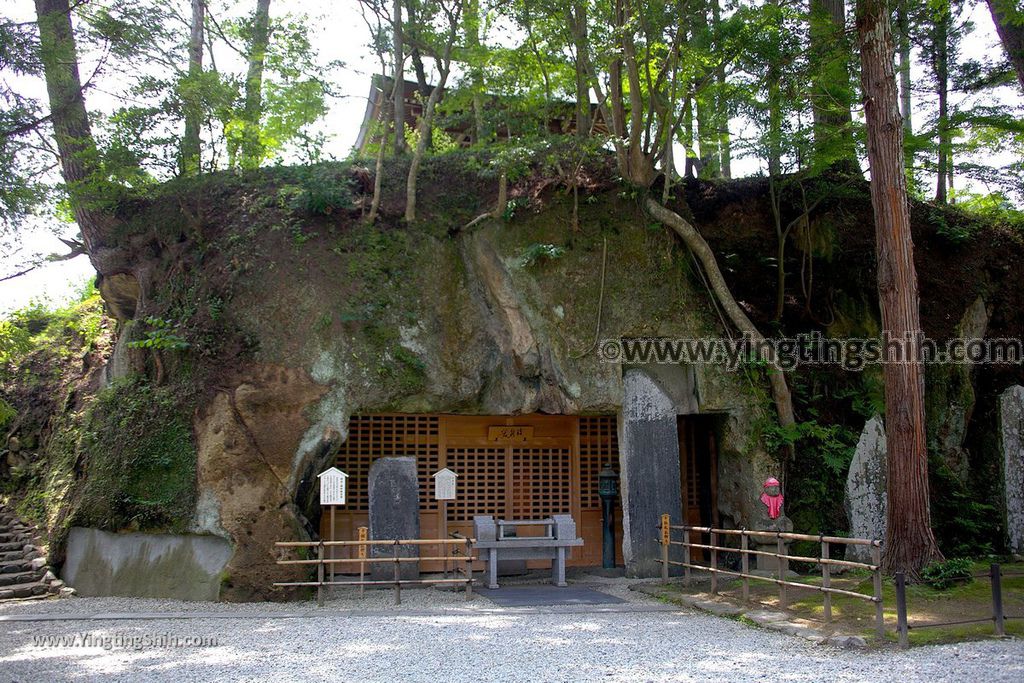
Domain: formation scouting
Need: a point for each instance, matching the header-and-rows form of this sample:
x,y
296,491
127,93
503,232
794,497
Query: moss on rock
x,y
139,459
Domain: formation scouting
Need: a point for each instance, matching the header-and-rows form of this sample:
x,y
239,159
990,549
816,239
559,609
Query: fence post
x,y
714,563
782,566
901,610
745,564
876,559
469,569
997,599
666,537
826,579
364,533
686,556
320,574
398,577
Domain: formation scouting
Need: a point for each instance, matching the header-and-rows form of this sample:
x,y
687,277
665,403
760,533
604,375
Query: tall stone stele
x,y
1011,436
649,461
394,515
866,498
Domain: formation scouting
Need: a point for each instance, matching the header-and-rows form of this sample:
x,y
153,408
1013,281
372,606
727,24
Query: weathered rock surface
x,y
247,439
950,396
866,489
1011,432
181,567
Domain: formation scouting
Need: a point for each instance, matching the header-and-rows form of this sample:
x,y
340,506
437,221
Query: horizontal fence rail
x,y
995,575
458,551
781,555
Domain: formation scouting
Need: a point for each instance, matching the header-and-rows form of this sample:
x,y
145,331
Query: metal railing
x,y
781,556
998,618
450,552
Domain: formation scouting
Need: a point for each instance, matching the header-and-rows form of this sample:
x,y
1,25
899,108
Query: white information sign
x,y
333,486
444,484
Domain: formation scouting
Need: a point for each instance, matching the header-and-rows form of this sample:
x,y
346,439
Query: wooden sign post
x,y
364,533
333,491
444,490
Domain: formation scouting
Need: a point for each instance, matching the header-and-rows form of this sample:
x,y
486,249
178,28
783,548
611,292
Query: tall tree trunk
x,y
725,141
191,148
398,93
1009,21
831,90
252,148
476,74
577,16
940,67
426,122
903,18
690,165
75,144
909,542
708,124
774,151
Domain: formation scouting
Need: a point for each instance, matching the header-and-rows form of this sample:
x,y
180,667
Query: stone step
x,y
31,576
23,565
23,590
14,545
11,537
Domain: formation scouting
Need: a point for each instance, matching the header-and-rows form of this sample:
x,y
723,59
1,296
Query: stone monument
x,y
394,514
1011,437
866,499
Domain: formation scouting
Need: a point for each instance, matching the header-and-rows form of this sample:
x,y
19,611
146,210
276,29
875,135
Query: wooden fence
x,y
781,556
995,575
458,551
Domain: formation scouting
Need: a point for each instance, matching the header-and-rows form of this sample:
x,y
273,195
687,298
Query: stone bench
x,y
499,540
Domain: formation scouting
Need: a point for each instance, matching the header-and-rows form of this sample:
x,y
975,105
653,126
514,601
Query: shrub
x,y
944,575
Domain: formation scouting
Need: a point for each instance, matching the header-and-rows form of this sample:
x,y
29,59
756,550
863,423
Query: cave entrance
x,y
698,474
549,464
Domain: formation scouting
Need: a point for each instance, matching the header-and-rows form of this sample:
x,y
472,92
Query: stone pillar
x,y
649,467
1011,436
866,499
394,514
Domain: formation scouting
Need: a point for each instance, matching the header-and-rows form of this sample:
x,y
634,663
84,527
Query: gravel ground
x,y
456,641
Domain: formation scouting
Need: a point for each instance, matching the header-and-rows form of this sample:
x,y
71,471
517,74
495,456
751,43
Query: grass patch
x,y
924,604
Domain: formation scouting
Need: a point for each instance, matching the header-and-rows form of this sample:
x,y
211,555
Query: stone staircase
x,y
23,570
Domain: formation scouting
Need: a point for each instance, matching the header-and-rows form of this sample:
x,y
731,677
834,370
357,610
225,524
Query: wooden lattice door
x,y
549,467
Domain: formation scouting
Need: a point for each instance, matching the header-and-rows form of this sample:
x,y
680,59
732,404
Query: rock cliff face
x,y
298,315
471,329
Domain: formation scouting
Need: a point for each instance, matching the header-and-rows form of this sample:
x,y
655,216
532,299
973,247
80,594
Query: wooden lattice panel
x,y
691,475
378,436
599,445
482,483
540,482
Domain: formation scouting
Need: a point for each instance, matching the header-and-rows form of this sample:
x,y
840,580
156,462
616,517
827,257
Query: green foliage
x,y
137,443
994,207
63,330
964,525
956,232
7,413
944,575
319,190
831,444
161,336
535,253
